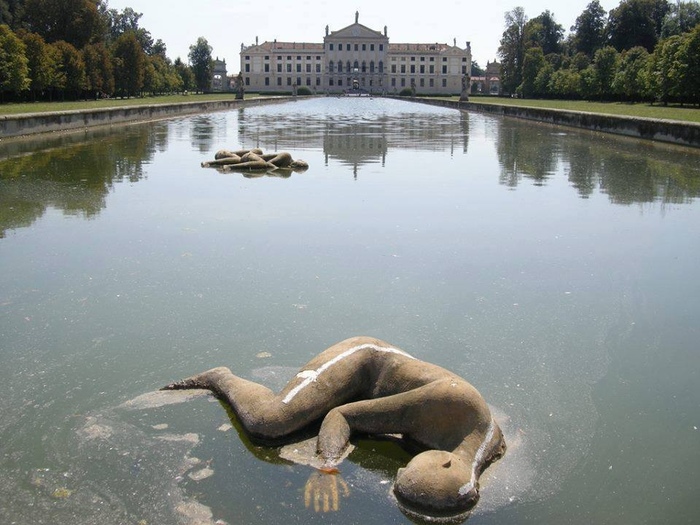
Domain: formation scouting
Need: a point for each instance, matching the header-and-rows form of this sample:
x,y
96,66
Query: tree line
x,y
642,50
72,49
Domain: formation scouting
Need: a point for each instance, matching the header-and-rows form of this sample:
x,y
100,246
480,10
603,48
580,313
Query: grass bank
x,y
50,107
622,109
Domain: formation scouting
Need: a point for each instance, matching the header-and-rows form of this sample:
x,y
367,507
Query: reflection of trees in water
x,y
628,171
207,130
73,173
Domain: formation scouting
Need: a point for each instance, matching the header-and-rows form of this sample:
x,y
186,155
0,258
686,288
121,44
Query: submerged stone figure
x,y
365,386
254,160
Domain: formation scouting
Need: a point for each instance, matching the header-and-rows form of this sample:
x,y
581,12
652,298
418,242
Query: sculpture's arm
x,y
386,415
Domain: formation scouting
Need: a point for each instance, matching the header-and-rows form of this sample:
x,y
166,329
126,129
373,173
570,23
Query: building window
x,y
340,47
413,68
381,47
318,68
298,57
393,67
289,81
444,82
464,59
308,81
413,59
330,81
298,81
403,82
422,82
393,82
356,65
403,68
348,66
247,57
308,58
356,47
340,67
371,47
381,67
431,82
432,69
432,59
444,70
331,65
247,68
279,81
308,68
289,68
444,59
371,66
364,47
318,81
422,68
267,68
289,57
279,68
422,59
267,81
330,46
247,81
464,70
340,81
364,66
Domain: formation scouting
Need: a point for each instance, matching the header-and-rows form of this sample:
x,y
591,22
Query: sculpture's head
x,y
437,484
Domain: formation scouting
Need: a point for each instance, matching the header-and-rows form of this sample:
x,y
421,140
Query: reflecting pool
x,y
554,269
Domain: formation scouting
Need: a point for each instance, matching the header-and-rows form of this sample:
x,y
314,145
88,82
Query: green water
x,y
554,269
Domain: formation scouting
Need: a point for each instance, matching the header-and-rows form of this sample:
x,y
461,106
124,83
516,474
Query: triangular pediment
x,y
356,30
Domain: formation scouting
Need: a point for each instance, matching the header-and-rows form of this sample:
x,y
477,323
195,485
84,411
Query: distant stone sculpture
x,y
366,386
464,96
240,89
254,160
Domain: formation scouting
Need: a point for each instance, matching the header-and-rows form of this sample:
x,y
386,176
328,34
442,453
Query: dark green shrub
x,y
304,91
406,92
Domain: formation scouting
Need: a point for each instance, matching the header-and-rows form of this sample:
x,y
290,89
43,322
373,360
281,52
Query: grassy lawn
x,y
671,112
45,107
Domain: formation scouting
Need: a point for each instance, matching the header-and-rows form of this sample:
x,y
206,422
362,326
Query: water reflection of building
x,y
356,143
355,56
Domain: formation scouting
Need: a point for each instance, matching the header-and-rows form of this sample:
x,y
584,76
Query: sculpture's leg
x,y
258,408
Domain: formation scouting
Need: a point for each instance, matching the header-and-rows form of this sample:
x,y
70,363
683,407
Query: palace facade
x,y
356,57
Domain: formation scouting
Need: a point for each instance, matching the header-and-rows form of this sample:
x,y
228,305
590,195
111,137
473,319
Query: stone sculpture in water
x,y
366,386
254,160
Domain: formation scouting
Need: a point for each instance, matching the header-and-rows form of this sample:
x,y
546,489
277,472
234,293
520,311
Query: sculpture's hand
x,y
323,491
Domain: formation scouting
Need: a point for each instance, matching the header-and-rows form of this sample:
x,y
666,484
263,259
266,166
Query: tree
x,y
534,61
40,61
185,73
589,29
681,18
129,65
77,22
11,13
665,69
636,23
98,70
544,32
605,64
690,75
14,66
477,71
70,68
512,49
200,59
630,79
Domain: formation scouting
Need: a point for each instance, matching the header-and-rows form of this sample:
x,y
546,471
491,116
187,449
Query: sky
x,y
226,24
